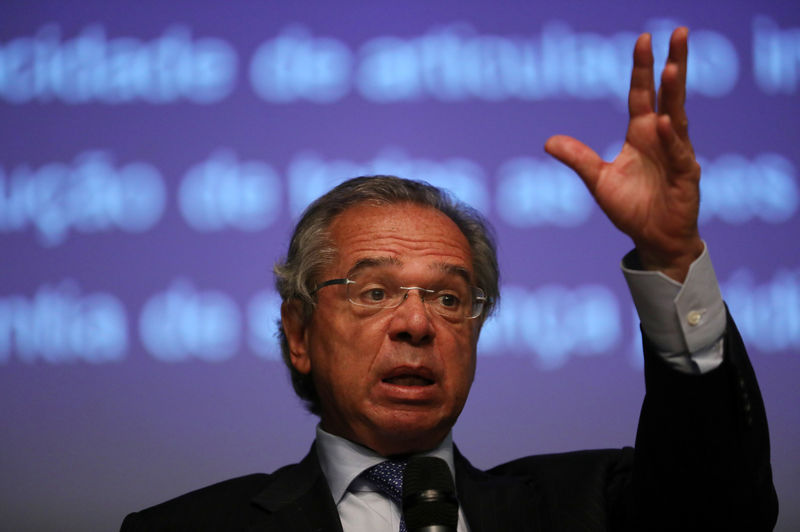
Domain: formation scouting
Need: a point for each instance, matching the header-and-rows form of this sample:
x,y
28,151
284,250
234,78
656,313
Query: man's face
x,y
396,379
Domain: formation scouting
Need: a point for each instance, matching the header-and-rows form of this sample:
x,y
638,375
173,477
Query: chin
x,y
407,432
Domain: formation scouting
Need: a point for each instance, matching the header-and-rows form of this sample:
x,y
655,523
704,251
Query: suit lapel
x,y
499,503
298,499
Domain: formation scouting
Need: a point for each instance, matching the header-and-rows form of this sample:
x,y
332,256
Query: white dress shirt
x,y
361,508
685,322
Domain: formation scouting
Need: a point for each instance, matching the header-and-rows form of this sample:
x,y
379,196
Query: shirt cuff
x,y
686,321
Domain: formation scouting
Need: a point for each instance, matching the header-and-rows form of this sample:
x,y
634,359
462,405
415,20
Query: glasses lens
x,y
478,299
452,302
374,291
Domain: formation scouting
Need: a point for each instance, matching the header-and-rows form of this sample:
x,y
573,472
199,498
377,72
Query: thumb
x,y
578,156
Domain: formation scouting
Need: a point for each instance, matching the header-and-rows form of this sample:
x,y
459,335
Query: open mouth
x,y
408,380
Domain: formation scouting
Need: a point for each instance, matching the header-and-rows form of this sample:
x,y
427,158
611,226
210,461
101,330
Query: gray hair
x,y
311,249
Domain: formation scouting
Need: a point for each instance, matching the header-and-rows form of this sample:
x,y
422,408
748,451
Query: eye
x,y
370,294
375,295
449,301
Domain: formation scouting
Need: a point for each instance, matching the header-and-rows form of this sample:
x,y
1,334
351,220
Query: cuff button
x,y
694,317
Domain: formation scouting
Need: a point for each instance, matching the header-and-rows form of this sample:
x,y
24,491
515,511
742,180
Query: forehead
x,y
408,234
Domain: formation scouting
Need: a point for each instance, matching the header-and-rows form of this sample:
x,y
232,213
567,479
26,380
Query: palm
x,y
640,193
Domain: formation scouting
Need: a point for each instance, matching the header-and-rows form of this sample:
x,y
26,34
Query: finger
x,y
672,98
641,98
672,94
578,156
680,156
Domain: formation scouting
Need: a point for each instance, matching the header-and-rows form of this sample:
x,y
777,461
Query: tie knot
x,y
388,478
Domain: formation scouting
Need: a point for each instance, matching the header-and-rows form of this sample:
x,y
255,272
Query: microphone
x,y
429,496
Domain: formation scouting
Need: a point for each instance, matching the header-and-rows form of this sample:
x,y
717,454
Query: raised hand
x,y
651,190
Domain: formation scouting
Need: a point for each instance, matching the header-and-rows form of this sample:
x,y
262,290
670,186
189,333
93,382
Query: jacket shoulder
x,y
225,505
569,466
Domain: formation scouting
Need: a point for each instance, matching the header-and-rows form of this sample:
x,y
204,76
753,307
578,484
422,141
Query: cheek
x,y
461,363
341,350
468,373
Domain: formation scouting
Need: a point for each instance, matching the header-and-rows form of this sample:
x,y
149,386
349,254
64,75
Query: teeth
x,y
408,380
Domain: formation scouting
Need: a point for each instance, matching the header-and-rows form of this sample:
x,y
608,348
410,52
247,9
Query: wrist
x,y
674,262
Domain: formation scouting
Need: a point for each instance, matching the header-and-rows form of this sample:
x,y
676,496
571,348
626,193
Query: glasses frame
x,y
478,299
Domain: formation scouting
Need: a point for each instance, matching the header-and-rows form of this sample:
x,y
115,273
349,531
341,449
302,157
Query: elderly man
x,y
385,288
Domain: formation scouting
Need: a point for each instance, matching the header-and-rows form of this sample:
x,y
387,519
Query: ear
x,y
294,327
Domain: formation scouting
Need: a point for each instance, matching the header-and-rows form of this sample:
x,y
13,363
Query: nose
x,y
411,321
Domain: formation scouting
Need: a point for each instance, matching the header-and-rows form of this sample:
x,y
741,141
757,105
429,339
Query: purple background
x,y
83,444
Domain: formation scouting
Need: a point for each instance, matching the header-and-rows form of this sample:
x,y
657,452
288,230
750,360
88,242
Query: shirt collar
x,y
342,460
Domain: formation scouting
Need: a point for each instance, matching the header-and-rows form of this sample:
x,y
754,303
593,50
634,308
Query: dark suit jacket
x,y
701,462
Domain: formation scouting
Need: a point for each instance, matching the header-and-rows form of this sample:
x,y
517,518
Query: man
x,y
385,289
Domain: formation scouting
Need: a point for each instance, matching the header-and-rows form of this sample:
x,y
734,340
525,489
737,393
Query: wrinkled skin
x,y
396,380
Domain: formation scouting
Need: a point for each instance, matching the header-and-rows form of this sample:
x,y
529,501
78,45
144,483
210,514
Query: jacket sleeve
x,y
701,459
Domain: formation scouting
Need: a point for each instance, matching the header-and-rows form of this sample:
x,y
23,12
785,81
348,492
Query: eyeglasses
x,y
455,301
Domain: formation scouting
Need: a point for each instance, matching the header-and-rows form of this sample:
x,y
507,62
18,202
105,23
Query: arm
x,y
702,447
702,458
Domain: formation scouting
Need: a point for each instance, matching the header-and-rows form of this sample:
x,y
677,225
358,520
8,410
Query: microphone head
x,y
429,495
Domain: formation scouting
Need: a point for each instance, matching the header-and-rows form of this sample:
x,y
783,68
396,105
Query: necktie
x,y
388,478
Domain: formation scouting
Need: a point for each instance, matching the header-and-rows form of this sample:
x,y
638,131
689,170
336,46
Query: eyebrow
x,y
452,269
373,262
377,262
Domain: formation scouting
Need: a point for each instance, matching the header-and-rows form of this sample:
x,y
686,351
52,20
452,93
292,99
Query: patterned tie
x,y
388,478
